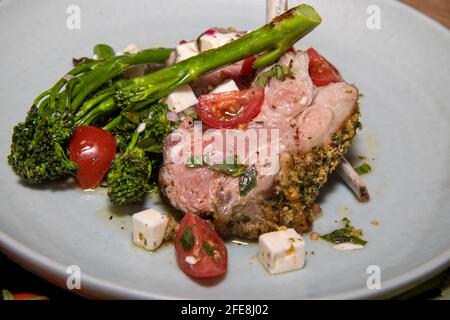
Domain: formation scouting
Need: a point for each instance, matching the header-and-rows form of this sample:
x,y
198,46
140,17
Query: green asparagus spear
x,y
270,42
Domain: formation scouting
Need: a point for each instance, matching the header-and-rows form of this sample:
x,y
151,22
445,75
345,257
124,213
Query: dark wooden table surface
x,y
16,279
437,9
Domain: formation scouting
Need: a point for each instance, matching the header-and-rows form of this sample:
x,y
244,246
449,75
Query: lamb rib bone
x,y
344,169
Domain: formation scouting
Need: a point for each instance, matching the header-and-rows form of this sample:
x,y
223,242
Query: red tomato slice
x,y
6,295
201,252
247,67
321,71
28,296
93,150
230,109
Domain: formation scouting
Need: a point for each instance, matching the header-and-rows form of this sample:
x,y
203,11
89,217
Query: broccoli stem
x,y
113,123
108,70
133,141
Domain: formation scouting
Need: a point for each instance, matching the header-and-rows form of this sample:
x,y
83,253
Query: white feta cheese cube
x,y
227,86
281,251
186,50
216,40
181,99
149,227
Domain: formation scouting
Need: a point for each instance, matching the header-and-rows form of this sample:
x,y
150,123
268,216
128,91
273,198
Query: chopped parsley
x,y
195,162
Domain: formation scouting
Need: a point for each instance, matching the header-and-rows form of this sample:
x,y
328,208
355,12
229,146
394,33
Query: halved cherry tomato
x,y
93,150
6,295
247,67
201,252
230,109
321,71
291,49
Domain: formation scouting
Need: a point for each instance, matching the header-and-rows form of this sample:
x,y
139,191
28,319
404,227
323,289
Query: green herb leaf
x,y
208,248
357,240
247,181
103,51
279,71
195,162
346,234
363,169
191,112
230,169
187,239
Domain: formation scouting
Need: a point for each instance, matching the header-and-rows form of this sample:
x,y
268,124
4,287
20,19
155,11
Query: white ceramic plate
x,y
402,70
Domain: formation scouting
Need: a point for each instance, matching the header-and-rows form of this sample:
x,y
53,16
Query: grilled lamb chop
x,y
315,128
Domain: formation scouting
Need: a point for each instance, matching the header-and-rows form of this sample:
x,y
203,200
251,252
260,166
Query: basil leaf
x,y
187,239
279,71
195,162
208,248
363,169
338,236
346,234
357,240
247,181
230,169
191,112
103,51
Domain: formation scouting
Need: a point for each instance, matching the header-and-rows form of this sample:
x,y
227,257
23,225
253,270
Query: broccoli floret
x,y
157,126
37,153
133,172
128,178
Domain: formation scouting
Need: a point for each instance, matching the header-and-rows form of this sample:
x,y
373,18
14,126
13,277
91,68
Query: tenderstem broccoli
x,y
38,149
129,177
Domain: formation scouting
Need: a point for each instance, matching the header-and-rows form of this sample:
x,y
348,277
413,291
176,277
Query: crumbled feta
x,y
186,50
131,48
216,40
281,251
190,260
304,100
181,99
227,86
149,227
348,246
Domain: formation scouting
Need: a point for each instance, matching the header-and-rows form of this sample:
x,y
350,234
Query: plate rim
x,y
95,287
